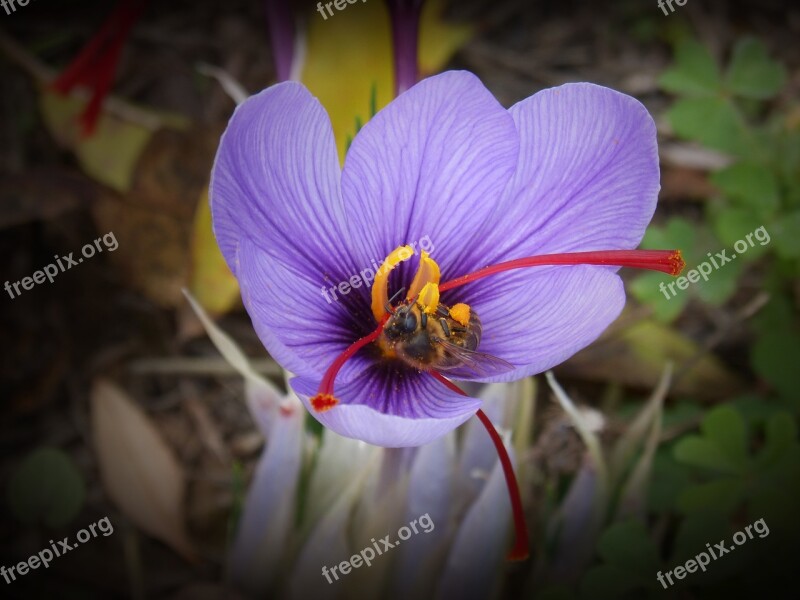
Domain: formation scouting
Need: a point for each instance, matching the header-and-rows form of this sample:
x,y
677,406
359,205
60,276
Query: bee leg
x,y
445,327
424,320
442,311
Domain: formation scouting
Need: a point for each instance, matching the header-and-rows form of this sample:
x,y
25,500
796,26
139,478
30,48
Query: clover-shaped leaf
x,y
751,73
723,445
784,231
630,561
774,357
712,121
695,73
749,184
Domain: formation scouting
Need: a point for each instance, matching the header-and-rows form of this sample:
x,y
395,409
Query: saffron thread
x,y
520,550
666,261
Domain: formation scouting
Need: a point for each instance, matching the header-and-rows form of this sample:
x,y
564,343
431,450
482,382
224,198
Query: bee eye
x,y
410,322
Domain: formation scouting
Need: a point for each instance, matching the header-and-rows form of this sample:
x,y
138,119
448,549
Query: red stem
x,y
520,551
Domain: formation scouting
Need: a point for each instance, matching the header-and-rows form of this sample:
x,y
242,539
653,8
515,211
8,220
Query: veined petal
x,y
263,530
408,410
275,180
480,543
432,163
587,177
537,318
430,492
301,329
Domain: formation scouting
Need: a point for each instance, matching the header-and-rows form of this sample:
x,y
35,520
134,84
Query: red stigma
x,y
666,261
520,550
323,402
324,398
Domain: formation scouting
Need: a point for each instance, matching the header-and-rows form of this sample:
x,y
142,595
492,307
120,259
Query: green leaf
x,y
628,545
726,428
722,495
701,452
695,73
781,435
46,488
752,74
669,480
776,492
774,357
647,290
751,185
713,122
734,224
785,233
721,283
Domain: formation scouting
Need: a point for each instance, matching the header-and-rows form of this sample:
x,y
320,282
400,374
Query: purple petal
x,y
430,492
537,318
263,530
275,181
390,412
473,565
587,175
302,330
587,179
432,163
338,463
478,454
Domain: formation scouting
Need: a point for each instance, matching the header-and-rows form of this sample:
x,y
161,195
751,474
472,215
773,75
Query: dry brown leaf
x,y
153,221
139,471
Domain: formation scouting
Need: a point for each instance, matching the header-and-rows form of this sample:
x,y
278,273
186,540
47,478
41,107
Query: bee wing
x,y
478,364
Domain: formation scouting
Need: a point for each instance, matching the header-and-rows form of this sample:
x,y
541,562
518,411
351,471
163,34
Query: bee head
x,y
402,323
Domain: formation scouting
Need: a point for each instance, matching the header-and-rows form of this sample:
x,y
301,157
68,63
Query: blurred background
x,y
677,428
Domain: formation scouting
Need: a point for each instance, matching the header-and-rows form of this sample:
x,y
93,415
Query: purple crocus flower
x,y
572,170
565,180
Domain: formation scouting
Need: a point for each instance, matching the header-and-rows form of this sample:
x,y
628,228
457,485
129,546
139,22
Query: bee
x,y
438,342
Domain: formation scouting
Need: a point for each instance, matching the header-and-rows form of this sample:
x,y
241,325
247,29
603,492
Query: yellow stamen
x,y
429,298
380,287
460,313
427,272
